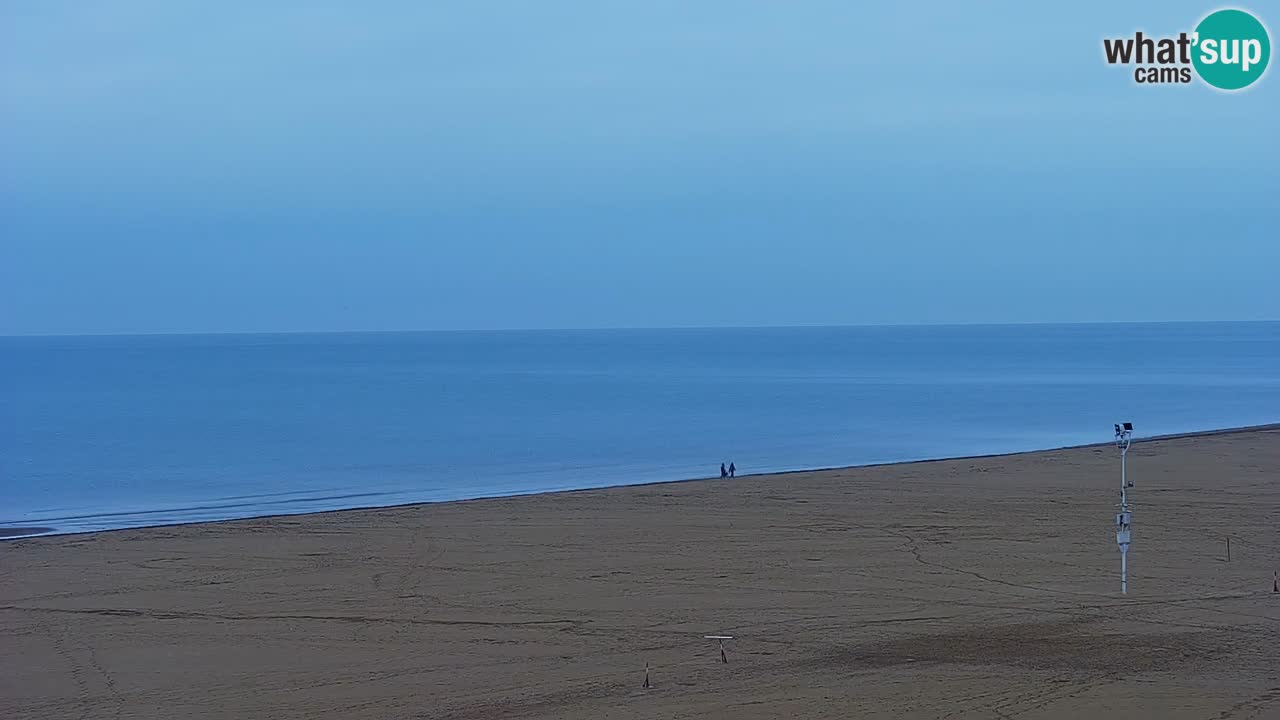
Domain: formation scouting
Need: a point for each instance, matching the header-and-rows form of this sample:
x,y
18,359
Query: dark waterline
x,y
7,533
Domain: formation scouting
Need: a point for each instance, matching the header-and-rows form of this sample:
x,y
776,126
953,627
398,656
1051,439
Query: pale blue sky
x,y
186,167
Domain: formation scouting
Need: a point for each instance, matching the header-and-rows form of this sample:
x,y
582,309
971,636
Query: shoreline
x,y
35,531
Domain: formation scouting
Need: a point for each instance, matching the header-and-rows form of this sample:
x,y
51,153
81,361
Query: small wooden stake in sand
x,y
646,676
1228,548
720,638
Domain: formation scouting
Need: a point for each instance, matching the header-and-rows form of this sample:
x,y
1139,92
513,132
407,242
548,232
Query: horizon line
x,y
628,328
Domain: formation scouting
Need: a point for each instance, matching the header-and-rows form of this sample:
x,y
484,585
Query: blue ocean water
x,y
114,432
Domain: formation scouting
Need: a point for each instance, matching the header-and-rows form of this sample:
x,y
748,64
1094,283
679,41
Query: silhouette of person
x,y
723,473
732,469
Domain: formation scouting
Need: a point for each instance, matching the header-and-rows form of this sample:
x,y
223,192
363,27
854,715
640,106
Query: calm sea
x,y
114,432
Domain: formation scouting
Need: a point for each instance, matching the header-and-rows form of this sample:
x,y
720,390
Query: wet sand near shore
x,y
972,588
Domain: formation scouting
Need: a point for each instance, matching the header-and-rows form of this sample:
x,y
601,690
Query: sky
x,y
170,166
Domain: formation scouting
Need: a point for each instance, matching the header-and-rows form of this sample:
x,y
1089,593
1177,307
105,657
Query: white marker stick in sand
x,y
720,638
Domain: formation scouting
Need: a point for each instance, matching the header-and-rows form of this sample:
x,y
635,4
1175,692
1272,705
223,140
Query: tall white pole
x,y
1124,517
1124,513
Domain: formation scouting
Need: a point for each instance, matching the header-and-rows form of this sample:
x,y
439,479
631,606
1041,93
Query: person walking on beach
x,y
723,473
732,468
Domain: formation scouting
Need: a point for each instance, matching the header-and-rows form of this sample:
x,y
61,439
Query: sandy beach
x,y
974,588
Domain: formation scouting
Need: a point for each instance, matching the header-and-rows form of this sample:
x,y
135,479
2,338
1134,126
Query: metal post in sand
x,y
1124,518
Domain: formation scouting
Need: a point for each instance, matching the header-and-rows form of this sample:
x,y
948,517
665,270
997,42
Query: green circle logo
x,y
1232,49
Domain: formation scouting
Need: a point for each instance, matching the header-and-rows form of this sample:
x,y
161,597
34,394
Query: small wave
x,y
187,509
